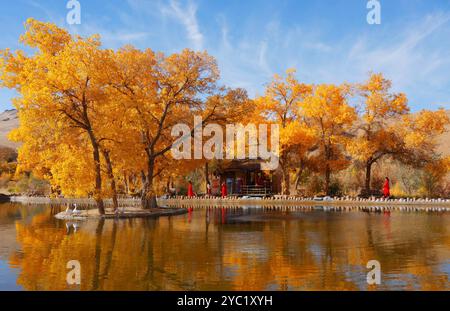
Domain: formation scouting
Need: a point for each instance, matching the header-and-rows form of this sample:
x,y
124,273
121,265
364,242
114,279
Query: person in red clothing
x,y
386,188
190,190
208,188
224,190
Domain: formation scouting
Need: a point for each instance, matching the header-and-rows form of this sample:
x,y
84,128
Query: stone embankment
x,y
327,203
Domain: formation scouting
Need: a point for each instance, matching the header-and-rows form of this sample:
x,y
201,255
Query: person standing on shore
x,y
190,190
224,190
386,188
208,188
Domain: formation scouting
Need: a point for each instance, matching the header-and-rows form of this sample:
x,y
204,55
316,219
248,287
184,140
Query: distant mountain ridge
x,y
9,120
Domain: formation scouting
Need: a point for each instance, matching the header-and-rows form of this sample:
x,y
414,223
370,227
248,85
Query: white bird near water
x,y
75,211
68,210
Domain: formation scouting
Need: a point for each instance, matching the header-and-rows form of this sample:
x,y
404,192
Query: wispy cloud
x,y
413,58
49,14
187,16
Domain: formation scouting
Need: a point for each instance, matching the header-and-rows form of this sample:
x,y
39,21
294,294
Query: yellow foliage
x,y
280,105
421,131
329,116
397,190
376,135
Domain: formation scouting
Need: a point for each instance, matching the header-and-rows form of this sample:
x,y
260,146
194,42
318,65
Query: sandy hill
x,y
9,121
444,140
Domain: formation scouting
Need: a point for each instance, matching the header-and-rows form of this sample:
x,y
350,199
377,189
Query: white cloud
x,y
111,38
39,6
187,16
412,57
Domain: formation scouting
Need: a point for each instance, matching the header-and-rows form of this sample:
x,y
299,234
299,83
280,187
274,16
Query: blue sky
x,y
328,41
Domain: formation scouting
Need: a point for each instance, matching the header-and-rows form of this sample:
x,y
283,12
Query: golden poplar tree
x,y
61,83
386,128
330,117
280,105
375,134
159,92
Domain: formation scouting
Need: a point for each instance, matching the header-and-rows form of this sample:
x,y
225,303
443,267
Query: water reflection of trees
x,y
10,212
217,251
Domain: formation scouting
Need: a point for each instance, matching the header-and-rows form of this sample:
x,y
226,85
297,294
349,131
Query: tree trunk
x,y
98,176
168,185
327,179
286,181
368,177
298,176
126,184
329,156
206,176
109,169
148,197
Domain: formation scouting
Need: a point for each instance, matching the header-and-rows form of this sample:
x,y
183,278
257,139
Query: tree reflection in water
x,y
237,249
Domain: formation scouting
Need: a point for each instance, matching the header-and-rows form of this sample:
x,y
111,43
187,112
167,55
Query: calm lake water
x,y
225,249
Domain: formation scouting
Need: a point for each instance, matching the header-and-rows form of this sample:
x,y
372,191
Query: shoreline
x,y
310,205
182,201
300,201
79,201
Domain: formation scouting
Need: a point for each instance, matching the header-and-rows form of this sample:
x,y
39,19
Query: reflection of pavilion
x,y
245,178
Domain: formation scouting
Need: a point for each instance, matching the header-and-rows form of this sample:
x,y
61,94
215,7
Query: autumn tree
x,y
375,134
280,105
62,82
420,133
160,91
386,128
54,154
330,117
